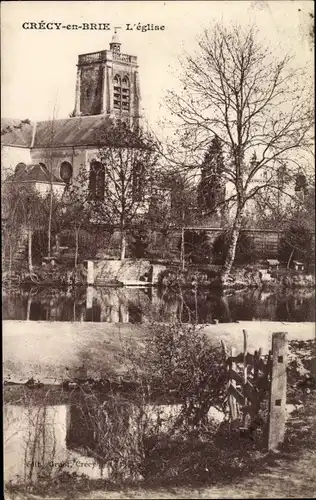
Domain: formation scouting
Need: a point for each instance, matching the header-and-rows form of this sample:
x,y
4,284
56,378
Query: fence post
x,y
277,403
245,416
231,399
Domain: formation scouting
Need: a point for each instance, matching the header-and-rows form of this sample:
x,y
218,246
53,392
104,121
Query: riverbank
x,y
165,275
50,351
241,277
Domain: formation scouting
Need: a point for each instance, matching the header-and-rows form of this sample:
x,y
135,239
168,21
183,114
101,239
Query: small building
x,y
272,263
298,266
37,177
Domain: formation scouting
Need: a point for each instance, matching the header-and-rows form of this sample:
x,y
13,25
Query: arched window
x,y
300,183
121,93
96,180
117,92
66,171
301,186
19,168
125,93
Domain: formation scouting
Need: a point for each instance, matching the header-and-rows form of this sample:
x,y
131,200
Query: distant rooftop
x,y
77,131
32,173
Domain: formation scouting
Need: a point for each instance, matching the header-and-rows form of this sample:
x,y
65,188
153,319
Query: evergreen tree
x,y
211,189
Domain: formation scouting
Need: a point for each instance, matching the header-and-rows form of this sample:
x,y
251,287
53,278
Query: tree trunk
x,y
50,221
28,307
29,250
77,229
123,244
57,242
231,251
10,260
290,258
182,255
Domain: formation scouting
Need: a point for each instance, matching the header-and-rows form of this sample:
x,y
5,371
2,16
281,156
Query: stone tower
x,y
108,83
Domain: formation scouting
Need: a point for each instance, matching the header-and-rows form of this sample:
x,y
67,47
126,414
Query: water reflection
x,y
138,305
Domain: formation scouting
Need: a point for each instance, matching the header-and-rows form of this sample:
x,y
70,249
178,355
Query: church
x,y
46,153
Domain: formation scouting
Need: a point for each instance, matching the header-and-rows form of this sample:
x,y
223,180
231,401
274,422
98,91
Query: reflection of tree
x,y
296,307
187,305
195,305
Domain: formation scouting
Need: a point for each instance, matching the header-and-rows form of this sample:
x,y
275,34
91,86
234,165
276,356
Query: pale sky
x,y
39,66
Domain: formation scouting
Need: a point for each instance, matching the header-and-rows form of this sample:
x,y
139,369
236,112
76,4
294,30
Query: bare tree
x,y
120,180
48,163
256,102
22,214
74,207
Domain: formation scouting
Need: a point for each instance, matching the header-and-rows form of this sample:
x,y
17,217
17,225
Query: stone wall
x,y
126,271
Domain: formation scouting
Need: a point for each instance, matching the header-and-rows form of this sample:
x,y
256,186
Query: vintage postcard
x,y
158,242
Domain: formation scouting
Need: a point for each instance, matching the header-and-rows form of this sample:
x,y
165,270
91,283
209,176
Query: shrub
x,y
245,248
139,242
296,244
179,359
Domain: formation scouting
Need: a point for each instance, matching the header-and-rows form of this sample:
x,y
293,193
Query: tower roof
x,y
115,39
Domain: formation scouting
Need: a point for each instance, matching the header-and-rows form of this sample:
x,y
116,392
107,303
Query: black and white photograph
x,y
158,249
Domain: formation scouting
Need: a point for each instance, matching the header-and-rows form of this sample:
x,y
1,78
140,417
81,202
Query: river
x,y
136,305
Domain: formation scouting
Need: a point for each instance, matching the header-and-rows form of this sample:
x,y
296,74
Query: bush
x,y
139,242
297,244
245,248
180,360
196,246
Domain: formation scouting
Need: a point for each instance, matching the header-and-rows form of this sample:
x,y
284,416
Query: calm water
x,y
138,305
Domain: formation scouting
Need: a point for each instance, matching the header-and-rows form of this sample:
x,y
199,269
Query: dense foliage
x,y
296,244
139,242
196,246
245,248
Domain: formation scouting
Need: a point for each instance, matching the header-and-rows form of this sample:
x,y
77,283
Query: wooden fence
x,y
251,380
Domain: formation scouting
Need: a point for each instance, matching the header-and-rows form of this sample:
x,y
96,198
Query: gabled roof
x,y
76,131
33,173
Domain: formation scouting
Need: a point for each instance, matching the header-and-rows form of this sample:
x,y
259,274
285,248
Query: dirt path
x,y
296,479
286,480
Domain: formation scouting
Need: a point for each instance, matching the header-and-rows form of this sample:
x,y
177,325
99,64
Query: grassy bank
x,y
49,351
248,276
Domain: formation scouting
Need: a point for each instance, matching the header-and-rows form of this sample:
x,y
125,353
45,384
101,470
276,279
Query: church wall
x,y
11,156
44,188
76,156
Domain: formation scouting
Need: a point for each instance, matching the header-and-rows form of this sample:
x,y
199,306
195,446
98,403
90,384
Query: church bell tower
x,y
108,83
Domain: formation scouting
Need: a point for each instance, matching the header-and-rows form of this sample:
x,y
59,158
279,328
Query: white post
x,y
90,272
89,298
